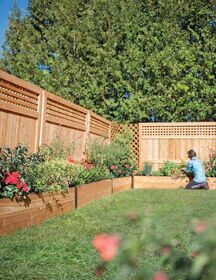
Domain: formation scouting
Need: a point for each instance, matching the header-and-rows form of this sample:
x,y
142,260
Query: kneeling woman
x,y
195,168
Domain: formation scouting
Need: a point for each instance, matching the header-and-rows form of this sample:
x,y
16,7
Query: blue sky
x,y
5,7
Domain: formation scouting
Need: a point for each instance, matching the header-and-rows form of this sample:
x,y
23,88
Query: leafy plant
x,y
57,149
129,254
169,168
49,176
210,165
14,165
116,156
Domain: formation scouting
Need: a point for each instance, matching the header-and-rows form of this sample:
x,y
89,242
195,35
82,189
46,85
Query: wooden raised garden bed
x,y
165,182
121,184
93,191
36,209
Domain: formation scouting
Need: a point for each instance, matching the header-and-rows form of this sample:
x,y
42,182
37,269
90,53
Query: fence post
x,y
140,145
86,136
42,117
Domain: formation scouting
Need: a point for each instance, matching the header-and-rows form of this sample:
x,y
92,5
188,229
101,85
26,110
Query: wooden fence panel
x,y
171,141
19,112
65,120
32,116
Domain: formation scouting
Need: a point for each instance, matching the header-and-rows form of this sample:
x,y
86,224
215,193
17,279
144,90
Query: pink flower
x,y
201,227
119,171
12,178
112,167
106,245
127,166
23,186
160,276
87,166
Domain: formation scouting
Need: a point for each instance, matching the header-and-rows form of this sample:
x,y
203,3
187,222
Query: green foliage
x,y
210,165
131,60
173,263
49,176
169,168
14,176
57,149
116,156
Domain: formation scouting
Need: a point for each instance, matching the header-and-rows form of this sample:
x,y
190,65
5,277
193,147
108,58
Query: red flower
x,y
107,246
160,276
119,171
127,166
112,167
12,178
23,186
71,160
87,166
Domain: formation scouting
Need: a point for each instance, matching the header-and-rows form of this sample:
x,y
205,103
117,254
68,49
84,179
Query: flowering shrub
x,y
86,172
117,156
14,176
49,176
210,165
198,264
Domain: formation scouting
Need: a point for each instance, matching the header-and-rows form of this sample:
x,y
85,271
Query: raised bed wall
x,y
165,182
38,208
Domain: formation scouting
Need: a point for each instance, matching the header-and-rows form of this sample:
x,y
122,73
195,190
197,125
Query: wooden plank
x,y
121,184
67,123
17,109
93,115
22,97
71,114
69,109
19,90
93,191
65,102
99,132
10,99
65,117
16,81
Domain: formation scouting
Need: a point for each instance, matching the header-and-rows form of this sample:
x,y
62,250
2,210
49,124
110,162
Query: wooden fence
x,y
32,116
154,143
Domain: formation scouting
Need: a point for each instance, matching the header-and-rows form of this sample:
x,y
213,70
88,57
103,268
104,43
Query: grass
x,y
61,247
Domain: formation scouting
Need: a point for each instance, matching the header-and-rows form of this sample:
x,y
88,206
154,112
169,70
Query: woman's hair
x,y
191,153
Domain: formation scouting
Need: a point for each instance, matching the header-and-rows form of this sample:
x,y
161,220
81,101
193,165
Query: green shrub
x,y
58,149
210,165
14,165
169,168
49,176
116,156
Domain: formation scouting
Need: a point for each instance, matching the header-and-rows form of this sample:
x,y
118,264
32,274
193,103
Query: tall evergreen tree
x,y
128,60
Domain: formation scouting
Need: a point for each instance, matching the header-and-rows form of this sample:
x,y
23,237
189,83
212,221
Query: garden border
x,y
37,208
40,207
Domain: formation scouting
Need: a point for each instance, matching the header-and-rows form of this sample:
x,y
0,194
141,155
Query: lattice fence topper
x,y
134,128
179,130
11,93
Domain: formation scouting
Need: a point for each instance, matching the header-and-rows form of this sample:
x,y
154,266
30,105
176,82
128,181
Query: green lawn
x,y
61,247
